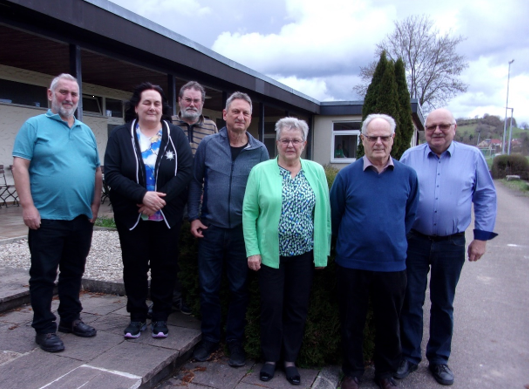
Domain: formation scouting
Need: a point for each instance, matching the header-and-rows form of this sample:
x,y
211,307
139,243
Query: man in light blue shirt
x,y
58,181
452,176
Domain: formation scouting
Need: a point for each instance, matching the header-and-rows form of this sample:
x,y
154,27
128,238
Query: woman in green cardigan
x,y
287,232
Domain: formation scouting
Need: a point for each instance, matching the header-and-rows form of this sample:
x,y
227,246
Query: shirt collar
x,y
57,117
449,150
367,163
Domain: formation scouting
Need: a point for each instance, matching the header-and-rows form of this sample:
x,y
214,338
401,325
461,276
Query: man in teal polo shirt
x,y
58,180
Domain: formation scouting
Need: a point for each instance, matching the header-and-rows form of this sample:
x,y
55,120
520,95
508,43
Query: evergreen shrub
x,y
321,342
504,165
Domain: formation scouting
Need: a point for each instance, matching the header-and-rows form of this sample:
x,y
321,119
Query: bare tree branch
x,y
432,63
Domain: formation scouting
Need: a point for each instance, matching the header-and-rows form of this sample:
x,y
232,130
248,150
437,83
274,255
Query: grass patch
x,y
105,222
518,185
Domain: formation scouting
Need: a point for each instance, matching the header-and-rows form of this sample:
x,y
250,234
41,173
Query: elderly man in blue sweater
x,y
373,204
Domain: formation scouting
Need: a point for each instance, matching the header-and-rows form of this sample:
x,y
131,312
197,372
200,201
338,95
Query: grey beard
x,y
193,115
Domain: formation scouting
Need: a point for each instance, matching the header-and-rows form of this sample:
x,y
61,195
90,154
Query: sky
x,y
317,47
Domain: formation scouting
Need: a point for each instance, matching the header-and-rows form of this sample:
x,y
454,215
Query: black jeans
x,y
149,245
63,245
386,290
285,296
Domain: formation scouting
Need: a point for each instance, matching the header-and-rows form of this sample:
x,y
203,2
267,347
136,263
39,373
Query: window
x,y
114,108
92,104
270,138
12,92
345,138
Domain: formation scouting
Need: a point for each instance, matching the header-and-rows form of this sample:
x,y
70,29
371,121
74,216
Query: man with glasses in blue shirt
x,y
373,206
452,176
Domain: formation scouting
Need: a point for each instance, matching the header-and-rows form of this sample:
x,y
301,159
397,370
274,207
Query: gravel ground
x,y
103,262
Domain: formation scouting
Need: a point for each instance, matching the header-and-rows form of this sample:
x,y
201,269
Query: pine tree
x,y
382,94
405,128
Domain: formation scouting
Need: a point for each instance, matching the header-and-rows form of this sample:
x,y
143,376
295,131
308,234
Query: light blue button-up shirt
x,y
448,185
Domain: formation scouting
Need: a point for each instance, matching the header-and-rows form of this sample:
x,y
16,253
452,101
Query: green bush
x,y
322,341
504,165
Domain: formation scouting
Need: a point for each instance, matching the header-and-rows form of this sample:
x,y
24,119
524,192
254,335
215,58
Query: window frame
x,y
335,133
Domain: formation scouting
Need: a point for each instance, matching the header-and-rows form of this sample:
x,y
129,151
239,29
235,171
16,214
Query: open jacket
x,y
124,173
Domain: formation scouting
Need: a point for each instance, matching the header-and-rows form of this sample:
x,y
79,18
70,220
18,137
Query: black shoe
x,y
159,329
442,373
385,383
405,369
180,305
49,342
78,328
237,355
349,382
267,372
134,329
204,349
292,374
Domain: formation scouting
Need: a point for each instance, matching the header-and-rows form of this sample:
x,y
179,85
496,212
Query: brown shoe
x,y
350,383
385,383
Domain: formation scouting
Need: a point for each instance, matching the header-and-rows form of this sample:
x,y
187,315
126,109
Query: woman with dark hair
x,y
148,167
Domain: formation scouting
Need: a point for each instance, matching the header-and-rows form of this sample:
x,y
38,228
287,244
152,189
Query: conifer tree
x,y
405,127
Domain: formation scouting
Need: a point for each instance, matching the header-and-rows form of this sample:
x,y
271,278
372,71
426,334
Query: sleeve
x,y
337,200
485,202
327,204
25,141
250,214
197,181
118,183
413,201
178,184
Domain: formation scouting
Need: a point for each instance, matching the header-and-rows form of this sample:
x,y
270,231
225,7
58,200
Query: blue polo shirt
x,y
63,165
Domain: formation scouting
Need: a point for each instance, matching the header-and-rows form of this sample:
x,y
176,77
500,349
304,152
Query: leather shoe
x,y
267,372
350,383
49,342
442,373
385,383
292,374
405,369
78,328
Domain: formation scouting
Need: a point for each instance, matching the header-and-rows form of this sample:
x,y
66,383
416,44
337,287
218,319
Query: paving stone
x,y
87,349
216,375
88,377
98,304
328,378
6,356
17,338
39,369
182,339
181,320
137,359
112,323
20,315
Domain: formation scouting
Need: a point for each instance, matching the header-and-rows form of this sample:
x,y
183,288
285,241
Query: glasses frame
x,y
374,139
443,127
295,142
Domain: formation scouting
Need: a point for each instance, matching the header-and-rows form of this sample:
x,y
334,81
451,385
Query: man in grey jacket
x,y
222,164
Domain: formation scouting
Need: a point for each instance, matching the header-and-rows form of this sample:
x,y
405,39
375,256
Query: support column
x,y
75,70
171,94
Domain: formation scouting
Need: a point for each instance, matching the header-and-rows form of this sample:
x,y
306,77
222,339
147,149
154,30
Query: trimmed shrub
x,y
504,165
322,341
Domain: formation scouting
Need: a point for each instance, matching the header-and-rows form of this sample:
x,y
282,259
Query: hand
x,y
476,249
254,262
143,209
154,200
31,217
197,227
320,267
95,211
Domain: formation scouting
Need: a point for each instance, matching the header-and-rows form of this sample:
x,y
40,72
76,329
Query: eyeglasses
x,y
442,127
373,139
294,142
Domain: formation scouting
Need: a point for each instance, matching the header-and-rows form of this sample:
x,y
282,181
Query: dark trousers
x,y
63,245
219,247
284,305
150,244
445,259
387,295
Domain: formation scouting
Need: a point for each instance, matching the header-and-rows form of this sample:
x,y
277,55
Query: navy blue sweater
x,y
372,214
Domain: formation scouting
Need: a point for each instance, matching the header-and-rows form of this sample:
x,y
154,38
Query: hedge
x,y
504,165
321,342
